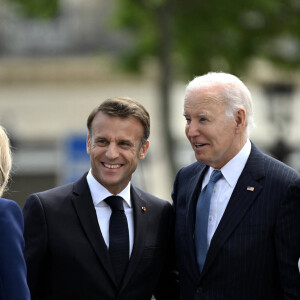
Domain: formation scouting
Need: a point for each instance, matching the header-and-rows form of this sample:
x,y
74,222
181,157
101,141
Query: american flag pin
x,y
143,208
250,188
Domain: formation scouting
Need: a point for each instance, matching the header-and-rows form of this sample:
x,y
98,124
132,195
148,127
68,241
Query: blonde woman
x,y
13,284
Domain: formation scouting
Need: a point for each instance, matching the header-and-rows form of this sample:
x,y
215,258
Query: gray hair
x,y
234,93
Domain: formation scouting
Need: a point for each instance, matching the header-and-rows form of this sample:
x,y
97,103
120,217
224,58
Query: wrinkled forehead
x,y
204,95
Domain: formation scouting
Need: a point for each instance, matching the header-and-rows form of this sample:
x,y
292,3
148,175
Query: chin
x,y
201,158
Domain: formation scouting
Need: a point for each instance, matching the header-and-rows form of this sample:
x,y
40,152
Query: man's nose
x,y
112,151
192,130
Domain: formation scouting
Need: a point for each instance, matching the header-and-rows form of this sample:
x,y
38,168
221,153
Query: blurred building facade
x,y
53,73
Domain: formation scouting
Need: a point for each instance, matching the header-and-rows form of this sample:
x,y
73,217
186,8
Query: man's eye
x,y
188,121
125,144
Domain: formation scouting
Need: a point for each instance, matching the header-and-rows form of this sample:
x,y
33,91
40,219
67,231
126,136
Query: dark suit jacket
x,y
67,257
254,251
13,284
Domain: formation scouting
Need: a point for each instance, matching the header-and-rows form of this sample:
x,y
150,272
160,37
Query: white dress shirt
x,y
224,187
103,211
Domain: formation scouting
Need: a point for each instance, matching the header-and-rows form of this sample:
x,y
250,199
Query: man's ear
x,y
240,120
88,144
144,150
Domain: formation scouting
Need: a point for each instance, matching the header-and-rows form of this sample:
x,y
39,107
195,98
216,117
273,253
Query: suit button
x,y
199,289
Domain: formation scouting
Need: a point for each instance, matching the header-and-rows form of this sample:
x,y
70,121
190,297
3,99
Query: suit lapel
x,y
140,215
85,210
246,191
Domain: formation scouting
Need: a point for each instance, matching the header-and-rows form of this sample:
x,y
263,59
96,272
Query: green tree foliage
x,y
42,9
214,34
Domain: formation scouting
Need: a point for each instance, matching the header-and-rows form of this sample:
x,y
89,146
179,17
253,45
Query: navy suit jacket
x,y
13,284
254,251
67,257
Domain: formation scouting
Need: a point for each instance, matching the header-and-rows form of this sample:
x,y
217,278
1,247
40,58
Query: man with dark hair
x,y
101,237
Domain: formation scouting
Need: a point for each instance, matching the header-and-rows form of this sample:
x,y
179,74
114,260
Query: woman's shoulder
x,y
9,207
8,203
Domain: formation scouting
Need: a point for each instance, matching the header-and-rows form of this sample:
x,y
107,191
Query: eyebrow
x,y
199,115
100,138
203,115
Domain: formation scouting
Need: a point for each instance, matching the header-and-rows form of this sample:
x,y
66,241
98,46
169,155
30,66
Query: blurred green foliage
x,y
214,34
41,9
201,35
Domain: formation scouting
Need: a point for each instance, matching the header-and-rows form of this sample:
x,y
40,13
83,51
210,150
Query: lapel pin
x,y
143,208
250,188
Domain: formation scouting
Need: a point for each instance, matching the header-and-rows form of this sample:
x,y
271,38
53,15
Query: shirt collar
x,y
233,169
99,192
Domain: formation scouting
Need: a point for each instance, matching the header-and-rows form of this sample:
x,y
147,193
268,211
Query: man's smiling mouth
x,y
199,145
109,166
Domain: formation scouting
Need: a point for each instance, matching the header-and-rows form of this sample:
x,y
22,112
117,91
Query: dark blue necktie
x,y
201,224
118,237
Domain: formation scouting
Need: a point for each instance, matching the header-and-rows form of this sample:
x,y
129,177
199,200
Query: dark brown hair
x,y
123,107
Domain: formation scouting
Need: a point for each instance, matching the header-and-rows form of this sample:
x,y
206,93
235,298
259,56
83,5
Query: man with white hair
x,y
237,209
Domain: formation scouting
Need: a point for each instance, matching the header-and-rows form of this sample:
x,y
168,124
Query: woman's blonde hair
x,y
5,159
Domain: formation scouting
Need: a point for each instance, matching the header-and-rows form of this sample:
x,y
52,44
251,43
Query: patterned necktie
x,y
118,237
202,212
